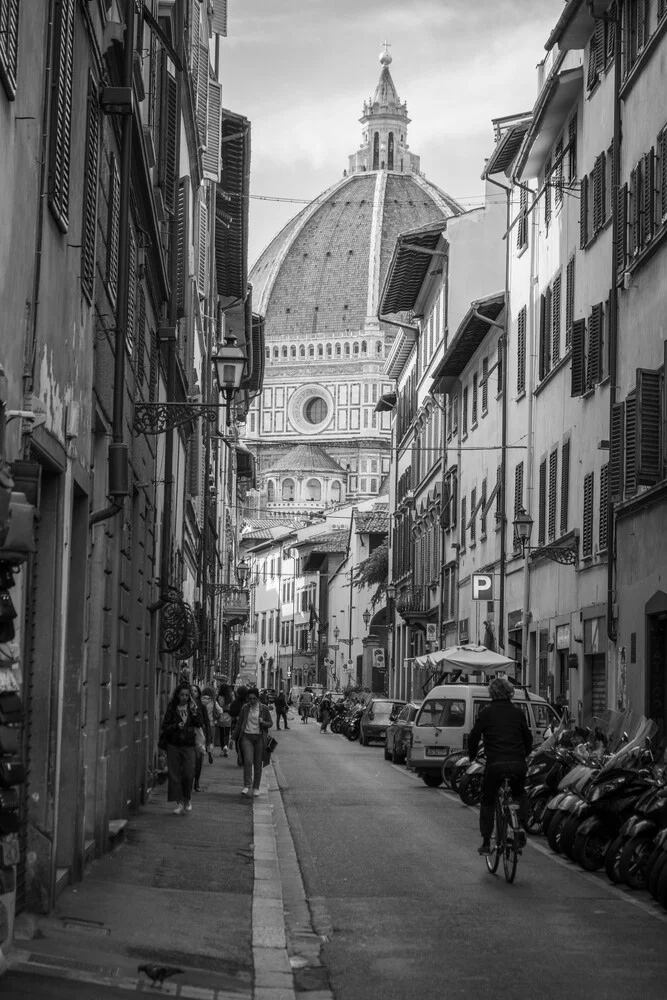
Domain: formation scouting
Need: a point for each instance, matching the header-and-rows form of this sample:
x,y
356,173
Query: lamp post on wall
x,y
366,617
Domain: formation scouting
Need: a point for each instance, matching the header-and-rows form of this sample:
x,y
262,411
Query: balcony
x,y
412,603
236,606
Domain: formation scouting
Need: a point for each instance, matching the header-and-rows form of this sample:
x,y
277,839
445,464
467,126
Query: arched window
x,y
268,353
270,491
292,351
311,351
288,489
378,347
337,350
313,489
320,351
276,353
390,152
335,492
364,347
376,150
347,349
355,348
284,350
329,350
302,351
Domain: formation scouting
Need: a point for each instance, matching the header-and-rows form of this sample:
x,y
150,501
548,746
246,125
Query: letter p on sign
x,y
482,586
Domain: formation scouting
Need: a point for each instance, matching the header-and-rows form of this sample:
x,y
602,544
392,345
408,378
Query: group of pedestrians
x,y
187,736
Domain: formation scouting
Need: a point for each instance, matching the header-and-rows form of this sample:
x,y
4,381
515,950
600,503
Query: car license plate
x,y
436,751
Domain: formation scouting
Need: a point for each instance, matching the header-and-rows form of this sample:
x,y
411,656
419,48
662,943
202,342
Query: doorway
x,y
656,663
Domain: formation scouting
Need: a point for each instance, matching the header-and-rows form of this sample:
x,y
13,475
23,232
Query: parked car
x,y
399,733
377,716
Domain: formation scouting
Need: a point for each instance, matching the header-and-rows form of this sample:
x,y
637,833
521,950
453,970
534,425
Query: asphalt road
x,y
392,867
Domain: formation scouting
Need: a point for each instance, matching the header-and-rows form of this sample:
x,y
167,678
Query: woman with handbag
x,y
178,736
249,734
203,738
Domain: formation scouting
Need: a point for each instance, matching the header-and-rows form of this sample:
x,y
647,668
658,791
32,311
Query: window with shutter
x,y
518,499
211,157
648,195
604,508
473,405
630,445
113,233
587,525
572,146
61,111
498,490
649,420
553,471
464,508
569,302
583,212
90,192
202,256
521,352
500,366
454,493
522,225
140,353
547,192
154,367
662,144
622,238
564,487
616,450
592,74
578,376
543,320
455,427
594,343
542,504
558,173
483,508
473,516
169,126
635,210
9,45
202,95
182,248
600,47
131,294
662,9
611,31
464,412
219,21
598,193
555,320
485,386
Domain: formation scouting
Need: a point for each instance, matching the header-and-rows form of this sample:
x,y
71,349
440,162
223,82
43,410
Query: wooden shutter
x,y
564,487
521,352
641,24
598,193
622,236
587,524
473,404
600,47
662,7
131,294
498,490
542,504
592,74
113,230
88,236
183,245
630,450
219,20
140,352
484,508
542,336
611,31
464,412
578,379
555,319
648,192
546,344
463,521
616,451
9,45
569,302
61,111
211,157
485,385
202,95
594,343
662,141
168,166
473,516
558,172
547,192
604,507
153,377
634,210
572,145
522,225
583,212
553,472
649,391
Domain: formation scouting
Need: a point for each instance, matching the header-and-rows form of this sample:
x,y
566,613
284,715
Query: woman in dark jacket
x,y
249,734
195,693
178,735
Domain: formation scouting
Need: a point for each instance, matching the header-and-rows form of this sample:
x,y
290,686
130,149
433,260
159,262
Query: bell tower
x,y
385,123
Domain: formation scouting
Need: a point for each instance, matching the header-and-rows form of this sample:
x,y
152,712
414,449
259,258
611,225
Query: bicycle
x,y
506,838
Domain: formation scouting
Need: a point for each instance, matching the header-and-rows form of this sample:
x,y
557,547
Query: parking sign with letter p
x,y
482,586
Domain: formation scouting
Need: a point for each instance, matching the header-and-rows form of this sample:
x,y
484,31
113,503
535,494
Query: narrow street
x,y
392,866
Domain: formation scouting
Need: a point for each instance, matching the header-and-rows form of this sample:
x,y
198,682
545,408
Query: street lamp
x,y
230,361
366,617
563,554
336,633
243,572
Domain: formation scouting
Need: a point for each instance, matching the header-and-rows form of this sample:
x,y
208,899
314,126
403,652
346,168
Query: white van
x,y
447,715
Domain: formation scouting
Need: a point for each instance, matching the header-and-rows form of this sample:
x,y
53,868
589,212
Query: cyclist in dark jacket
x,y
507,742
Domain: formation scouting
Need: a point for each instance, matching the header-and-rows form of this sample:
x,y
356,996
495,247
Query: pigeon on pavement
x,y
158,973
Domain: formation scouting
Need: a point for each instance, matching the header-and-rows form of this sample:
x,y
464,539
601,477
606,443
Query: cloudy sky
x,y
301,69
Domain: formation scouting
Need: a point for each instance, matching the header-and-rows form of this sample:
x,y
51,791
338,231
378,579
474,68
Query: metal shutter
x,y
88,235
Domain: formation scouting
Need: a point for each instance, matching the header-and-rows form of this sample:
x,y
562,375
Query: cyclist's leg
x,y
518,786
491,782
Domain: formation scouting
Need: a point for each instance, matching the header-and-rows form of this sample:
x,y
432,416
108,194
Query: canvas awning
x,y
468,658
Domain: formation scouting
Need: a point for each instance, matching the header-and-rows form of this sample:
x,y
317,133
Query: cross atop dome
x,y
385,119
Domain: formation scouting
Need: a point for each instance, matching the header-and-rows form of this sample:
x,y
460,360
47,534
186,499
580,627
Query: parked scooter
x,y
470,784
627,857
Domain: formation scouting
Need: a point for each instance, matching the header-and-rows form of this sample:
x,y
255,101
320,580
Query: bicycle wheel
x,y
493,859
510,848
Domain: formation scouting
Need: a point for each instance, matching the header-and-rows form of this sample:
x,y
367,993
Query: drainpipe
x,y
613,332
119,486
502,352
530,375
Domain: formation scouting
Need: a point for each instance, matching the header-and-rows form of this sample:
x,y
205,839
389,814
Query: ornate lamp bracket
x,y
566,555
158,418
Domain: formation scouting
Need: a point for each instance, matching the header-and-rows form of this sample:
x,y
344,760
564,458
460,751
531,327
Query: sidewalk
x,y
177,891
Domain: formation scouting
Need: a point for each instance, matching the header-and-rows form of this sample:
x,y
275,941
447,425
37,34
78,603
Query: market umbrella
x,y
469,658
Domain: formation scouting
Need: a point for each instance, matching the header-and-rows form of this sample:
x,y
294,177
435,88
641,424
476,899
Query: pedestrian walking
x,y
200,744
214,713
305,702
281,709
178,736
225,699
249,734
325,712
